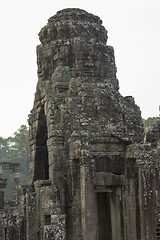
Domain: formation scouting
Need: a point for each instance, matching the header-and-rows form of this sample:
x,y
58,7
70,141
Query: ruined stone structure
x,y
15,167
91,175
10,221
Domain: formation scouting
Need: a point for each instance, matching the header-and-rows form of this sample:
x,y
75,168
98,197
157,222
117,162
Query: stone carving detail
x,y
87,177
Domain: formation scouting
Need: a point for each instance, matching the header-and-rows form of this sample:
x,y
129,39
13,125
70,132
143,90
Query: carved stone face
x,y
74,59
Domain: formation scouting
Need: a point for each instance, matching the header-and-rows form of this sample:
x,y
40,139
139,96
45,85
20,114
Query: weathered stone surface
x,y
11,225
56,231
80,117
90,175
153,134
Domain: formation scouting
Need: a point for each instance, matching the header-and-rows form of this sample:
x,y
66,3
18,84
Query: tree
x,y
19,148
15,149
4,149
149,122
19,151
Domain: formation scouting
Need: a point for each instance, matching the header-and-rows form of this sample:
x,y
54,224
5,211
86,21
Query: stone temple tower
x,y
80,127
83,182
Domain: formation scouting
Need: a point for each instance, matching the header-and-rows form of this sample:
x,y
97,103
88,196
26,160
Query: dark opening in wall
x,y
47,219
114,164
104,228
41,156
109,211
5,234
38,235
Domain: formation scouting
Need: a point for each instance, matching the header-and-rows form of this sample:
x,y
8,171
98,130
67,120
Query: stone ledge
x,y
109,179
42,183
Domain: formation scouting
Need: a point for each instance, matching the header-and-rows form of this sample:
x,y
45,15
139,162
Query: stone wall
x,y
87,178
80,125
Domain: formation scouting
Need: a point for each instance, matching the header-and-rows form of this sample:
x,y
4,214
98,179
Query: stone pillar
x,y
147,196
16,177
115,214
0,172
130,207
56,156
87,203
3,183
30,215
130,211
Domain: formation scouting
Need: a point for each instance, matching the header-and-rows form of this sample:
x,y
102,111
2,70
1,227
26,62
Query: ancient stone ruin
x,y
9,214
92,176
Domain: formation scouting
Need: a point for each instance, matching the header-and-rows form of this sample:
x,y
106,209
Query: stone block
x,y
75,150
57,230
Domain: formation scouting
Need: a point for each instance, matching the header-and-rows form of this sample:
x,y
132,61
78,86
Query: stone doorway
x,y
41,155
108,215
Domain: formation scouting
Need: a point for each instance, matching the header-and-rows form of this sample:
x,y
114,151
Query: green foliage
x,y
150,121
19,148
62,101
4,149
15,149
56,43
59,103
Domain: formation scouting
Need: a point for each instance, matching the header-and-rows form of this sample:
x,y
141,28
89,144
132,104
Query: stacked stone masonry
x,y
92,176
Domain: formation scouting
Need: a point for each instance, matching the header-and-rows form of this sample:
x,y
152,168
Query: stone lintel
x,y
42,183
109,179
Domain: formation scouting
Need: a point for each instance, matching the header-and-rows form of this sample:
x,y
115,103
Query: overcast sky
x,y
133,30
